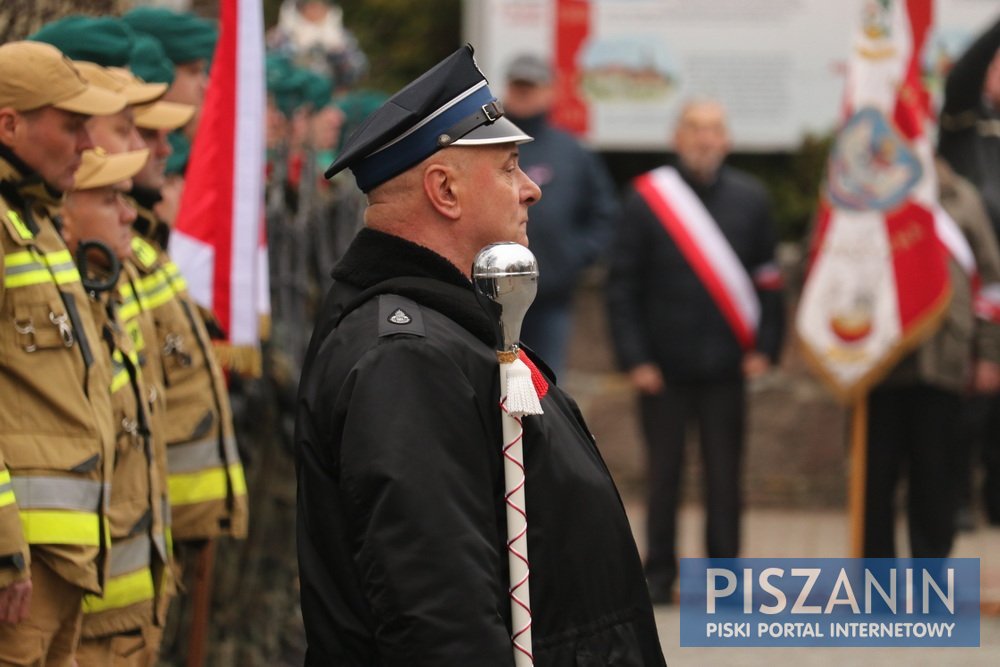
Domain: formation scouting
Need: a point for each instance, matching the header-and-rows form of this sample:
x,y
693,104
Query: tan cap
x,y
98,168
121,81
34,75
163,115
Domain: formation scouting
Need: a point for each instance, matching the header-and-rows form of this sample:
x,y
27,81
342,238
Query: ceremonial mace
x,y
506,279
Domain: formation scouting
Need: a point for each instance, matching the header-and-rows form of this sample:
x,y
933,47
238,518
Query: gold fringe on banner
x,y
242,359
264,328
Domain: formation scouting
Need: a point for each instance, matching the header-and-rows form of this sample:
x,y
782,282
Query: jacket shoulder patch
x,y
399,315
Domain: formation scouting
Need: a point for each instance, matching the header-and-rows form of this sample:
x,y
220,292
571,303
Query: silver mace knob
x,y
506,280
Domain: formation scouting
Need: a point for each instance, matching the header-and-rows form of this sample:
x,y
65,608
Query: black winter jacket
x,y
659,310
401,523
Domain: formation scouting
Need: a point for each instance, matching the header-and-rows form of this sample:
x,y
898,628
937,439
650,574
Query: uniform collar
x,y
147,224
23,183
375,258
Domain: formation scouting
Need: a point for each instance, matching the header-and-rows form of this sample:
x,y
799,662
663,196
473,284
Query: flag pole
x,y
858,475
506,279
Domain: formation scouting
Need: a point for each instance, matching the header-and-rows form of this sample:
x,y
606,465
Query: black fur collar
x,y
377,262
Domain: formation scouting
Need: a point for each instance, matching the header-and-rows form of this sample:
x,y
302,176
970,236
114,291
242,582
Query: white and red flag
x,y
217,241
878,279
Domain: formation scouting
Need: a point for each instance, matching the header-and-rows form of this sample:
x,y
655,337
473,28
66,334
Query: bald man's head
x,y
701,138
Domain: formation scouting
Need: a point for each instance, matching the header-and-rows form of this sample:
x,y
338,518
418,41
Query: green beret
x,y
292,86
317,89
277,67
149,61
98,39
289,91
177,162
184,36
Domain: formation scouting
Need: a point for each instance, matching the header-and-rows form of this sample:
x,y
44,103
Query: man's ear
x,y
8,125
441,188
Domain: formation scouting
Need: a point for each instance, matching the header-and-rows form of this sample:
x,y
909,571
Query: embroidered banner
x,y
878,282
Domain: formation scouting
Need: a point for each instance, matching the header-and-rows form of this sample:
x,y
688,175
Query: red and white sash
x,y
986,298
703,245
954,240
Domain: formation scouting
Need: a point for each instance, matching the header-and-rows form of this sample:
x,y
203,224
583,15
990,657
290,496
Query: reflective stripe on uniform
x,y
6,488
237,479
61,527
22,229
144,252
174,277
120,377
121,592
154,291
194,456
206,485
63,493
30,267
130,303
59,510
129,555
63,267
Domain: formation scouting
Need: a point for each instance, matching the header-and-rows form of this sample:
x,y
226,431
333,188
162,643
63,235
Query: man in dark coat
x,y
695,308
401,524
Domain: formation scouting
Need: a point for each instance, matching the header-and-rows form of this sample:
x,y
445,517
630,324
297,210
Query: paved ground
x,y
817,533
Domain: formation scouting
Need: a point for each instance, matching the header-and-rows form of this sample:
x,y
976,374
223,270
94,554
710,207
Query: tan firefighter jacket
x,y
56,435
139,571
207,487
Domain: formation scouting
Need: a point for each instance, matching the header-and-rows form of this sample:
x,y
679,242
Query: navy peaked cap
x,y
449,105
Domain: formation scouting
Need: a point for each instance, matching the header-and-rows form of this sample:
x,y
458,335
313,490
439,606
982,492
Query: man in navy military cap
x,y
401,519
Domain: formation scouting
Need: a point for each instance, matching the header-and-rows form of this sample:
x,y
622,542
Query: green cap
x,y
178,160
104,40
149,61
185,37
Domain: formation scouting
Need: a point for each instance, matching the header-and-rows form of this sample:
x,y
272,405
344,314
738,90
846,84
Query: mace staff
x,y
506,279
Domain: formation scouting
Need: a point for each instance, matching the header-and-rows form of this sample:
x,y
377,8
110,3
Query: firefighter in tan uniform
x,y
97,221
206,487
56,432
127,630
